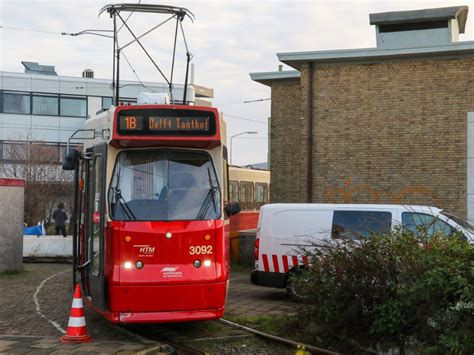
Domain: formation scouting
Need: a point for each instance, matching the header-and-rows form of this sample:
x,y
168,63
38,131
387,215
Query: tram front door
x,y
95,220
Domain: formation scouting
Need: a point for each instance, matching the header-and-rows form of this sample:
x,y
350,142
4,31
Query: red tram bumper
x,y
166,303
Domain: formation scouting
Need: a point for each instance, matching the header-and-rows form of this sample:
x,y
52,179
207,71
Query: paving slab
x,y
246,299
27,345
36,305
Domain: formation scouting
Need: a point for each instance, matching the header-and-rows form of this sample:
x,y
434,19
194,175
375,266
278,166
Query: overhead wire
x,y
245,102
135,73
29,30
257,100
245,119
42,129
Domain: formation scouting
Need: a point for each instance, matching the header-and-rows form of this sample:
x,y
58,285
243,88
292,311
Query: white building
x,y
41,106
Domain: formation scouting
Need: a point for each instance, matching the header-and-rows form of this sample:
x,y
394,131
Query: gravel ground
x,y
18,310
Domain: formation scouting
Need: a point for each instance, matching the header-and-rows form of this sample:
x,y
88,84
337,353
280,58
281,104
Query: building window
x,y
45,105
72,106
360,224
106,103
47,153
16,103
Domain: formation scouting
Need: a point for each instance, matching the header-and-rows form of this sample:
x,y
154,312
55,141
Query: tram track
x,y
288,342
179,340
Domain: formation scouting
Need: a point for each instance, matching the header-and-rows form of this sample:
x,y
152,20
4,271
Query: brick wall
x,y
390,132
287,154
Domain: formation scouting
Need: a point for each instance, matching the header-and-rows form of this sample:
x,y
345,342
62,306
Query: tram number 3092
x,y
200,249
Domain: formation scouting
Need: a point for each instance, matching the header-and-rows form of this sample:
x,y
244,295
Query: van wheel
x,y
292,290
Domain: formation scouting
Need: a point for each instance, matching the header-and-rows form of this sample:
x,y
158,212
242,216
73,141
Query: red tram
x,y
152,234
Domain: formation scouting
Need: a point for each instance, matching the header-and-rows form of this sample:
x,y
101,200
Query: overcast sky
x,y
228,40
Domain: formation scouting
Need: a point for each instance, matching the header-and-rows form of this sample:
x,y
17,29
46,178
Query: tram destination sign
x,y
176,122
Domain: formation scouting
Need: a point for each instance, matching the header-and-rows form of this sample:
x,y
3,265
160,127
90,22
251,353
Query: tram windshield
x,y
164,185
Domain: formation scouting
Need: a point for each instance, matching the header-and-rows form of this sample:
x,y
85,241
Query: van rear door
x,y
286,230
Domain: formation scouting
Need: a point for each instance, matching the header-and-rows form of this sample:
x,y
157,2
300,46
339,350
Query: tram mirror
x,y
232,208
70,159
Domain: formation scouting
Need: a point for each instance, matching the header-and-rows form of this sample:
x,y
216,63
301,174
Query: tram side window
x,y
96,201
246,195
234,191
261,192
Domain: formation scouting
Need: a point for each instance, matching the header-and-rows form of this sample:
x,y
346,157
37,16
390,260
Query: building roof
x,y
424,15
69,85
371,55
265,77
36,68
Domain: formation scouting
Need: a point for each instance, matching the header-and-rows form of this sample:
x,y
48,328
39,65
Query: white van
x,y
285,229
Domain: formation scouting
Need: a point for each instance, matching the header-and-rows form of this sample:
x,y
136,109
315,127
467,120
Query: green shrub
x,y
390,291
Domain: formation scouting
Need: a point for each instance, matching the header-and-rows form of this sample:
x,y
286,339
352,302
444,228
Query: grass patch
x,y
280,325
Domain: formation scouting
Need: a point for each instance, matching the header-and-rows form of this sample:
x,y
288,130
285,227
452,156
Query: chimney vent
x,y
419,28
88,73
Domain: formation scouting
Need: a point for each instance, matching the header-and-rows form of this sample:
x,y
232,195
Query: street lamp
x,y
235,135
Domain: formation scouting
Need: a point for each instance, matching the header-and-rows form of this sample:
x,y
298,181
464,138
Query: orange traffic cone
x,y
76,328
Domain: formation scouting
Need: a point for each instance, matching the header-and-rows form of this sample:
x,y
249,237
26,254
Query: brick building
x,y
391,124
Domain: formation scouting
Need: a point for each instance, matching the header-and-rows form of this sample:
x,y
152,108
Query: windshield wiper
x,y
209,197
125,207
118,198
207,202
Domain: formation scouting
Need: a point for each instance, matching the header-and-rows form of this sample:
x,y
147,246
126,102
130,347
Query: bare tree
x,y
39,164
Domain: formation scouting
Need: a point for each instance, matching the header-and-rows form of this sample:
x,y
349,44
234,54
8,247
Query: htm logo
x,y
147,250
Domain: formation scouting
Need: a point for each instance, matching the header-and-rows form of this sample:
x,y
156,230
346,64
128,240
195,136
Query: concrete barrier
x,y
49,246
12,204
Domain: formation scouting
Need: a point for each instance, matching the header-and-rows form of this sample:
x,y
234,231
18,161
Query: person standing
x,y
60,218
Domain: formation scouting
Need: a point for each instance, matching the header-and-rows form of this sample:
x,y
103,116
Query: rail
x,y
279,339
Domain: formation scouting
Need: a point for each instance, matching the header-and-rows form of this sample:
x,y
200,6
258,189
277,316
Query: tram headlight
x,y
139,265
127,265
207,263
197,263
